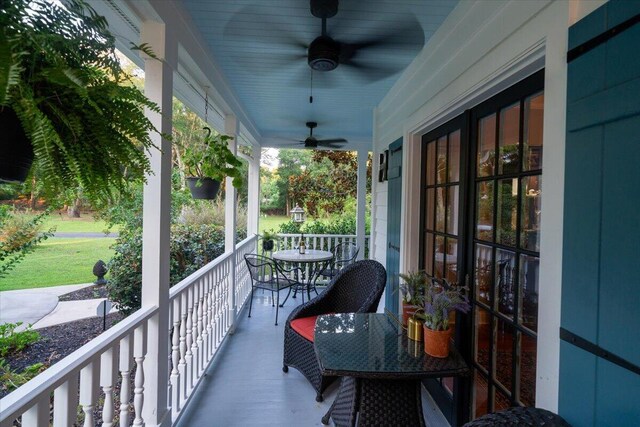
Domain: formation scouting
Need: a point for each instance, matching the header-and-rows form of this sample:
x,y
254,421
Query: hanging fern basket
x,y
203,188
16,151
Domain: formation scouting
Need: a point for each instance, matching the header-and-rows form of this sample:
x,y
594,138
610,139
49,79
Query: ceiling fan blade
x,y
332,146
371,72
265,44
253,22
333,141
404,35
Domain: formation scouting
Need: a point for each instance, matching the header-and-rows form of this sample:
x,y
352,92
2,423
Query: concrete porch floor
x,y
245,385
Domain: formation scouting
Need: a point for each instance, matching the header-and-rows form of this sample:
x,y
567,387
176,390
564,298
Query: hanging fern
x,y
60,74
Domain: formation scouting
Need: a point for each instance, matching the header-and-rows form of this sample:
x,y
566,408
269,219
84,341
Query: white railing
x,y
323,242
201,315
83,377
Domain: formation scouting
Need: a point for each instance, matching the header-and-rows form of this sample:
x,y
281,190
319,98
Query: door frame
x,y
455,407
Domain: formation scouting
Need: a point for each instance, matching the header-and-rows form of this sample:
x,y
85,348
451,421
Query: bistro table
x,y
316,261
381,369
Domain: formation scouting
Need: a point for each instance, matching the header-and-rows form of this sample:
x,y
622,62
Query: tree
x,y
328,183
292,163
18,237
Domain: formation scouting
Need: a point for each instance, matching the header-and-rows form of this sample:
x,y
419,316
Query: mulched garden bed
x,y
90,292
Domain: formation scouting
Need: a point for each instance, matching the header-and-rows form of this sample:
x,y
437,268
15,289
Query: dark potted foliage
x,y
207,163
65,96
412,290
268,240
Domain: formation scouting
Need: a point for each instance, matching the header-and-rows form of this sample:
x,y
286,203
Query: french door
x,y
481,205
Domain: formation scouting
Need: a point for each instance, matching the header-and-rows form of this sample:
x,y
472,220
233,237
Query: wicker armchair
x,y
357,288
269,275
520,416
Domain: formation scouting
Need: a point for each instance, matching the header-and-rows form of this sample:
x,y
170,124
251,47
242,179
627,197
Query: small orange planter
x,y
408,310
436,343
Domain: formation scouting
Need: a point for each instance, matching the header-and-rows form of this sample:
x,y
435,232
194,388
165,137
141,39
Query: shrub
x,y
19,235
192,246
12,341
344,224
10,379
205,212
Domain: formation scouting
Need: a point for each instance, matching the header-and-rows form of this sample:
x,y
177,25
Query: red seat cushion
x,y
305,326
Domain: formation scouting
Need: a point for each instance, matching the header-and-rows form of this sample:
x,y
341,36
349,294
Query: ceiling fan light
x,y
324,8
323,54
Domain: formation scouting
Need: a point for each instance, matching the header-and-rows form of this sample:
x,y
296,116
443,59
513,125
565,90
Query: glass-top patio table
x,y
315,260
381,369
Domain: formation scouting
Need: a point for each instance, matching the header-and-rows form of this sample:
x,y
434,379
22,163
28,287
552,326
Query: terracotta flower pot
x,y
436,343
408,310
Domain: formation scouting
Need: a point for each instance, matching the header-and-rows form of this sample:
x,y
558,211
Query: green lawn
x,y
271,222
85,224
58,261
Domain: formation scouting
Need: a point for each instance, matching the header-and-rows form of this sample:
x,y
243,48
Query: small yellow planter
x,y
414,329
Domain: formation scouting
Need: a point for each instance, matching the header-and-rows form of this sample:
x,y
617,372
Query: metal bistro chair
x,y
269,275
343,254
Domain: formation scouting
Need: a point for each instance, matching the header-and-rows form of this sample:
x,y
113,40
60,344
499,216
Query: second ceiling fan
x,y
312,142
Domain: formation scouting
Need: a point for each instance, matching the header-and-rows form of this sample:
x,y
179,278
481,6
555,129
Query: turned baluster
x,y
139,351
89,376
126,357
189,341
182,364
175,358
107,380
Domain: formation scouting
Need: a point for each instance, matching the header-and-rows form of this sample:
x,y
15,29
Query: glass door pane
x,y
506,245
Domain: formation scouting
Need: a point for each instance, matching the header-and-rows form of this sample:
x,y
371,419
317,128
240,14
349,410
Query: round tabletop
x,y
311,255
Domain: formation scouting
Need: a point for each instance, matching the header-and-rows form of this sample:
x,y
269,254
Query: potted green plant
x,y
208,162
268,240
439,300
411,288
67,104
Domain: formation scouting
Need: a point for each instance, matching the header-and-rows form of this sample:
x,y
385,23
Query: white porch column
x,y
156,223
253,198
231,128
361,200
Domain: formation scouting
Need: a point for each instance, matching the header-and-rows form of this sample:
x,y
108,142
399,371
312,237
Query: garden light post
x,y
297,215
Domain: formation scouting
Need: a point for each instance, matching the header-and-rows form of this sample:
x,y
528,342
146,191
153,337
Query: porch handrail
x,y
321,241
200,318
24,398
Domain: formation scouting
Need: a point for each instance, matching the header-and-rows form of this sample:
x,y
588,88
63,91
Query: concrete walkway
x,y
41,308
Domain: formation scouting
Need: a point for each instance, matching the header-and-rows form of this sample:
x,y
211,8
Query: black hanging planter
x,y
16,151
203,188
267,245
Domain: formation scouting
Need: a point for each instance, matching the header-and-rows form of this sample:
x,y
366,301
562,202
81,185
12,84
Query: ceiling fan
x,y
312,142
370,58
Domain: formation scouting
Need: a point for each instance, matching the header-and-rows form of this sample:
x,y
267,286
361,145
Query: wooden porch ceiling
x,y
260,47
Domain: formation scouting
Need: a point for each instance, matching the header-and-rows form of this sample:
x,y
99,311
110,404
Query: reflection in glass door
x,y
505,250
442,218
480,226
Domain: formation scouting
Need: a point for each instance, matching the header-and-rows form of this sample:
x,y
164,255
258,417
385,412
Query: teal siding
x,y
601,253
394,203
